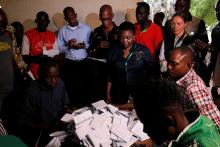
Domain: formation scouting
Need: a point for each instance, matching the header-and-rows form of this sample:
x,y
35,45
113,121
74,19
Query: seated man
x,y
45,100
158,106
196,94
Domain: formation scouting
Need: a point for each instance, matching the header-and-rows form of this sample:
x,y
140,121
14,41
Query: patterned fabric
x,y
197,96
2,129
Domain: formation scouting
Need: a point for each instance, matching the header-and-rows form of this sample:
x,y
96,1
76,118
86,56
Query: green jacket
x,y
200,133
11,141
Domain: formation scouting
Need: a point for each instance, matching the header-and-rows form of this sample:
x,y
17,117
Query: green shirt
x,y
200,133
11,141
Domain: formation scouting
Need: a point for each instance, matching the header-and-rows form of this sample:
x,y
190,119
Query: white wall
x,y
87,10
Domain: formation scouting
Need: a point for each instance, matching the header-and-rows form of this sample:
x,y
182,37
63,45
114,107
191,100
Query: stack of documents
x,y
106,126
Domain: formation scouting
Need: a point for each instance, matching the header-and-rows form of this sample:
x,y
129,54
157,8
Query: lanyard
x,y
43,40
129,56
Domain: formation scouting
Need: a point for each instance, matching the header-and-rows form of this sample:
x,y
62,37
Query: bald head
x,y
105,8
106,15
186,52
180,62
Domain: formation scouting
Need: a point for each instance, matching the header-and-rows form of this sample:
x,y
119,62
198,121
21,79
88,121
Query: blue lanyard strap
x,y
129,56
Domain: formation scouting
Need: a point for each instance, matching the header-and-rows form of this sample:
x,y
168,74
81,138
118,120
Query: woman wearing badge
x,y
129,64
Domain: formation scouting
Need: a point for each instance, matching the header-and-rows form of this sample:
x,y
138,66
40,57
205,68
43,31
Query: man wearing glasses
x,y
103,36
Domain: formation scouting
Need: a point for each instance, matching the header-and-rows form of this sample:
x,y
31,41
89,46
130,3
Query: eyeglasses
x,y
105,19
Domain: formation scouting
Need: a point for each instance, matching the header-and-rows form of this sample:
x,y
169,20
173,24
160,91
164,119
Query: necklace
x,y
43,40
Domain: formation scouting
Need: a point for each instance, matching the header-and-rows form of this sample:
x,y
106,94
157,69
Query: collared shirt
x,y
98,36
197,96
200,132
81,33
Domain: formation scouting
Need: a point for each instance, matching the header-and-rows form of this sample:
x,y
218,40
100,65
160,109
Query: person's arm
x,y
2,129
55,46
89,38
127,106
201,98
62,45
158,39
215,49
108,92
25,46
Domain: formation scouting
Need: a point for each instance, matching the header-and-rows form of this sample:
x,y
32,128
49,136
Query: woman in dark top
x,y
129,64
176,38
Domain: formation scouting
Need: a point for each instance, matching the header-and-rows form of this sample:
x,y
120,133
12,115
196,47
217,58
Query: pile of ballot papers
x,y
103,125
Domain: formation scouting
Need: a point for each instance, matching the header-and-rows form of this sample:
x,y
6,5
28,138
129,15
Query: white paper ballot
x,y
99,104
101,60
51,53
105,127
55,142
137,129
82,117
67,117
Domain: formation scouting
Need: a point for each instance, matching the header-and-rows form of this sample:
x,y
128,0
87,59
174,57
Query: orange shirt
x,y
152,37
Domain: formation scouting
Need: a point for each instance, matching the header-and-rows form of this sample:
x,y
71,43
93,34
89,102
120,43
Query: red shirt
x,y
152,37
36,40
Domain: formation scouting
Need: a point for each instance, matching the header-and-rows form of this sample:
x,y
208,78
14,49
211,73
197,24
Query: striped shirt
x,y
2,129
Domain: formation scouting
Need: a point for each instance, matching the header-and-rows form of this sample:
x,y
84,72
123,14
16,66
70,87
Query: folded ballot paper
x,y
104,125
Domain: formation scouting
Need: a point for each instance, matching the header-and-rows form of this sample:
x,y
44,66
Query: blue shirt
x,y
81,33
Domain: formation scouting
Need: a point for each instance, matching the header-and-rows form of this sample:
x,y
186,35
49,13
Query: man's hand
x,y
104,44
72,43
145,143
81,45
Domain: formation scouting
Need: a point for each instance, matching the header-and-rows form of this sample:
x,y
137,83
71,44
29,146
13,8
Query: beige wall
x,y
87,10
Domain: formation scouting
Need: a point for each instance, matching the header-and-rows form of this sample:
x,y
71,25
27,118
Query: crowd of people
x,y
157,69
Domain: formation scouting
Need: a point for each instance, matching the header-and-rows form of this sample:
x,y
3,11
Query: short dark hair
x,y
17,24
40,14
46,64
143,5
161,15
4,19
156,96
127,26
67,9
